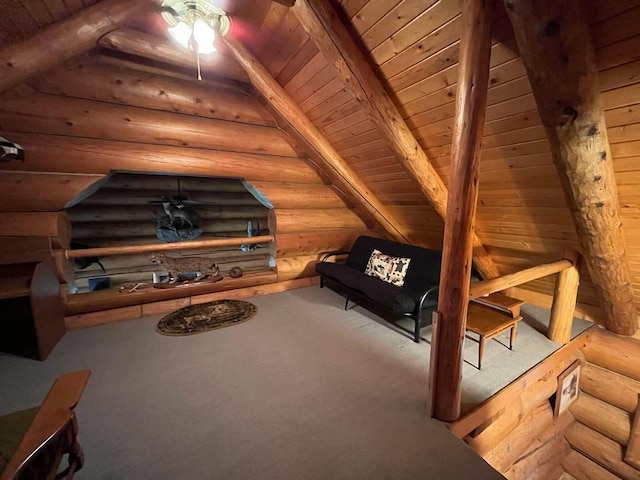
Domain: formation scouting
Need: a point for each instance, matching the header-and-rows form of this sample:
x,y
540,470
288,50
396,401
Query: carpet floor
x,y
304,390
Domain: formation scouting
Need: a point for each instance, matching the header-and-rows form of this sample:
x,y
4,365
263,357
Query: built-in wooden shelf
x,y
109,299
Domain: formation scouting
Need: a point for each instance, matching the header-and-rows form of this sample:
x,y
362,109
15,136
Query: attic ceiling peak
x,y
323,24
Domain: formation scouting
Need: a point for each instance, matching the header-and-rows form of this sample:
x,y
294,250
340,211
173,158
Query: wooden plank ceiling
x,y
413,45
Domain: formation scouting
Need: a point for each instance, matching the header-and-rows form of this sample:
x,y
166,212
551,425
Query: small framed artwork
x,y
568,388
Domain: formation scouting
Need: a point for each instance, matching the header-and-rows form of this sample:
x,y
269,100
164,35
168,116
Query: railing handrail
x,y
193,244
492,285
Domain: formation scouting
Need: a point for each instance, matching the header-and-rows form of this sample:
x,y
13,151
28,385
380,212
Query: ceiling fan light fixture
x,y
204,35
194,24
181,34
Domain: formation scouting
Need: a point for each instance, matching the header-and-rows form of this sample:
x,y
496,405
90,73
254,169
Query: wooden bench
x,y
489,316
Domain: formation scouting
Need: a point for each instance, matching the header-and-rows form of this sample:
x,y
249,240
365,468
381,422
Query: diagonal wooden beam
x,y
64,39
336,166
322,23
555,45
471,101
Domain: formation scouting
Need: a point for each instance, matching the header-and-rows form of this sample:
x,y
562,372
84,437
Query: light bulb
x,y
182,33
204,36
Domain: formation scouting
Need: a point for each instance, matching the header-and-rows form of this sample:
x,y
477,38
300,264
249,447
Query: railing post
x,y
564,299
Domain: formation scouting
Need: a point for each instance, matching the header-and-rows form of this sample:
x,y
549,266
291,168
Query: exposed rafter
x,y
65,39
332,38
337,167
555,45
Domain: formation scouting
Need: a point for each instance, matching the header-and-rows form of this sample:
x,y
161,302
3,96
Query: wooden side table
x,y
489,317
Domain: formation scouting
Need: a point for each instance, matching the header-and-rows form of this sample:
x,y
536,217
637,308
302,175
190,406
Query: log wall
x,y
413,46
87,118
605,410
516,431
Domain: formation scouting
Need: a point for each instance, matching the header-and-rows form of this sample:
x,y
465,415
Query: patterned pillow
x,y
387,268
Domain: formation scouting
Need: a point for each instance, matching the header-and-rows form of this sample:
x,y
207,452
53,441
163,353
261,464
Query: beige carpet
x,y
302,391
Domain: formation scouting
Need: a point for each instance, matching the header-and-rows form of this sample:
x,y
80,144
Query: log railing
x,y
132,249
565,295
503,282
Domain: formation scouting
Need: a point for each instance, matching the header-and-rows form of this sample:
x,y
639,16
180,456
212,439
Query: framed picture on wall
x,y
568,388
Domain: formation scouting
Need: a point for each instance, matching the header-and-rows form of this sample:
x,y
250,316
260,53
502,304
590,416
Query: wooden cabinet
x,y
32,316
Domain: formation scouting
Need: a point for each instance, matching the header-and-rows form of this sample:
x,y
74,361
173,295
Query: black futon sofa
x,y
416,298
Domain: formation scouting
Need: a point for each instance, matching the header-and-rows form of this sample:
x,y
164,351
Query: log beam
x,y
632,454
65,39
307,219
486,287
133,249
610,387
555,45
615,353
163,49
321,21
473,78
290,112
36,224
92,156
579,466
601,449
58,115
94,80
610,421
565,297
55,190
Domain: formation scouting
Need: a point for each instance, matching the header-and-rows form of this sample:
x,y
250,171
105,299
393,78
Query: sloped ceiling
x,y
522,217
413,46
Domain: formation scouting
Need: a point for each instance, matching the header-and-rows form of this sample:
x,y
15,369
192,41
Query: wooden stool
x,y
492,315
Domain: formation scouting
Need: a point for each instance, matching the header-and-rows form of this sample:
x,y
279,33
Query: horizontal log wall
x,y
304,233
523,440
604,412
59,115
128,206
90,117
93,80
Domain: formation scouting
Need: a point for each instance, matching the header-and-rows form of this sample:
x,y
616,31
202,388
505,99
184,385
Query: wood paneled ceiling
x,y
413,46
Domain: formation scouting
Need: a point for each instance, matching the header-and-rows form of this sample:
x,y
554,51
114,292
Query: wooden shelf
x,y
109,299
15,287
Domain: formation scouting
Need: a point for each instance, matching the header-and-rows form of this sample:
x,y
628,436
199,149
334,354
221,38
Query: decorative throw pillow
x,y
387,268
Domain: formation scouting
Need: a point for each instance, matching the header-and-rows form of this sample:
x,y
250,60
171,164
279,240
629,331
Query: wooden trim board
x,y
113,315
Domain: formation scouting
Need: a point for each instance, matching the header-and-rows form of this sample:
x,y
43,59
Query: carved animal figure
x,y
205,267
180,216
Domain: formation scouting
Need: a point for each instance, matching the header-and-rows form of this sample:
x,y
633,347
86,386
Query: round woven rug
x,y
205,317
